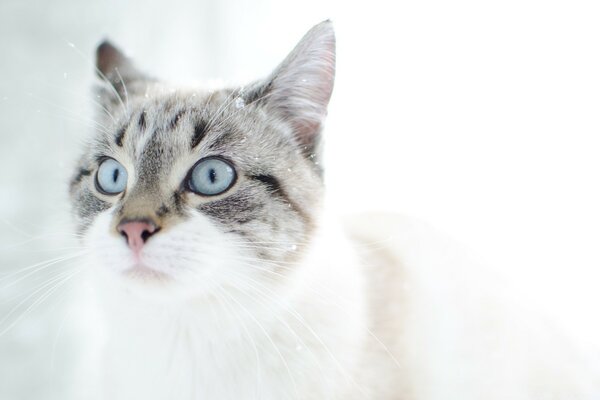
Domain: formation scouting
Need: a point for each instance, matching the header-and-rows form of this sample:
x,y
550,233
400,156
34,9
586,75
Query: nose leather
x,y
137,233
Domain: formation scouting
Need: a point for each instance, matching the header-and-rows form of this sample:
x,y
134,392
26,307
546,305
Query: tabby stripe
x,y
175,120
120,135
199,133
142,120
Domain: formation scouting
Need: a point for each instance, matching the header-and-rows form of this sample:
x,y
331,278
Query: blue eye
x,y
211,176
111,177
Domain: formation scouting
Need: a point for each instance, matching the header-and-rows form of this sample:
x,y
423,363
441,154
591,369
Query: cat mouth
x,y
143,272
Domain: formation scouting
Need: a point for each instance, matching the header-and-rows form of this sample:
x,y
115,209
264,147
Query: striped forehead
x,y
161,128
180,119
174,126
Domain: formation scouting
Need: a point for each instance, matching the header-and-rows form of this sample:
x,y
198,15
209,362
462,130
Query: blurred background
x,y
482,118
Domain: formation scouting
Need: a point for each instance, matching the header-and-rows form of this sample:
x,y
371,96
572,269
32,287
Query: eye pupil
x,y
212,175
115,175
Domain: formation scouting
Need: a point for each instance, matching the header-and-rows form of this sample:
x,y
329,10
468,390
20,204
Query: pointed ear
x,y
300,87
117,70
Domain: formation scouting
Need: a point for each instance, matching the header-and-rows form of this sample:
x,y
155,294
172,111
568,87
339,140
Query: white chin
x,y
144,273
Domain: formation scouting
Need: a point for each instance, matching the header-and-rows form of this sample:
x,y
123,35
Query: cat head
x,y
182,191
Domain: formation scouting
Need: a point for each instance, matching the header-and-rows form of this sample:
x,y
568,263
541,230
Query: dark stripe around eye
x,y
80,174
270,182
274,187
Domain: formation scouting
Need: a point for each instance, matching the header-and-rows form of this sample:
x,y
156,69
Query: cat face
x,y
185,191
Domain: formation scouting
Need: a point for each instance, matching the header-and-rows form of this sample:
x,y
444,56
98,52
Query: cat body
x,y
219,274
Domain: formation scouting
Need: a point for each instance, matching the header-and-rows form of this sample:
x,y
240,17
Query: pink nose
x,y
137,233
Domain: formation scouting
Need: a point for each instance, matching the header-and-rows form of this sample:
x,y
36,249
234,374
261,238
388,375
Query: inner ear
x,y
300,87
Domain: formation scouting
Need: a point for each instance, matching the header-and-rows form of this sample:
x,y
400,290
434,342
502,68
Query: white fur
x,y
459,335
190,340
464,334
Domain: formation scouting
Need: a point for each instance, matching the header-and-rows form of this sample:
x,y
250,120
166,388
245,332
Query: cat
x,y
220,274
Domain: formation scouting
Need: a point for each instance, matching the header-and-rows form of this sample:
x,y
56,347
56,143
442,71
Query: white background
x,y
482,118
